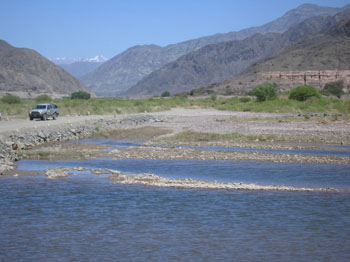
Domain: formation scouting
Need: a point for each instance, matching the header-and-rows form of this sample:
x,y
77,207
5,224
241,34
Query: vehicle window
x,y
40,107
49,107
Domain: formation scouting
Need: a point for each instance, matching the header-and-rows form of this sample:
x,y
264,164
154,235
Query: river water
x,y
84,217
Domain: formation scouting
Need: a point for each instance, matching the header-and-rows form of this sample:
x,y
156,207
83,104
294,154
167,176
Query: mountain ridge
x,y
315,60
223,61
26,73
119,74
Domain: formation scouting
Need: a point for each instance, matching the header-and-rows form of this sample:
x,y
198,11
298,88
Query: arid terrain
x,y
179,134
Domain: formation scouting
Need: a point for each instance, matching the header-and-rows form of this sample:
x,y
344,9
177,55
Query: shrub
x,y
302,93
166,94
213,97
80,95
264,92
334,88
43,98
244,99
11,99
194,92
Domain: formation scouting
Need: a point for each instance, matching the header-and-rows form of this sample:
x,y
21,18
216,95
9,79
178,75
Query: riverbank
x,y
27,136
203,127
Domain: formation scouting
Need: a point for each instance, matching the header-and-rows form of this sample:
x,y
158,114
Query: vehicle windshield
x,y
40,107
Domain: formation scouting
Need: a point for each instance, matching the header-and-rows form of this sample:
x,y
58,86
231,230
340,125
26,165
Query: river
x,y
84,217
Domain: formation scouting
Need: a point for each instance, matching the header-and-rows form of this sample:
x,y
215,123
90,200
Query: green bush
x,y
11,99
80,95
264,92
166,94
302,93
213,97
334,88
244,99
43,98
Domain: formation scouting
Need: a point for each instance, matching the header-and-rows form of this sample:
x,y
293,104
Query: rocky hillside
x,y
316,60
126,69
26,73
219,62
118,73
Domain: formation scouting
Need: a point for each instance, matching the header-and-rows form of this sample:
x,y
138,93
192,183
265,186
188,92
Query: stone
x,y
54,173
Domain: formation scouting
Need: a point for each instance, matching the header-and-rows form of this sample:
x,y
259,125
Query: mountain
x,y
126,69
79,67
26,73
120,72
316,60
70,60
223,61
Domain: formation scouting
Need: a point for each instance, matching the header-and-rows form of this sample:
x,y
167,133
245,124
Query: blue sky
x,y
85,28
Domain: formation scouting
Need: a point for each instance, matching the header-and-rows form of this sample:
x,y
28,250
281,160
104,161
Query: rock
x,y
9,143
54,173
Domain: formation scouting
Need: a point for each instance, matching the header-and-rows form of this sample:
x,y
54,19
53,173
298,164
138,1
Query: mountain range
x,y
125,70
70,60
315,60
79,67
308,44
26,73
223,61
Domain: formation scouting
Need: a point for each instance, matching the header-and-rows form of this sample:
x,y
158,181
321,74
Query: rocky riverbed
x,y
159,153
153,180
14,142
262,130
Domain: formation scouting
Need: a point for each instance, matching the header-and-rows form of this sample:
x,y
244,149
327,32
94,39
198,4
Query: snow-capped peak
x,y
69,60
97,59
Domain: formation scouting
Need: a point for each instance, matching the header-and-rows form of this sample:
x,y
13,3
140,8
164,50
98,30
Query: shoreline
x,y
166,128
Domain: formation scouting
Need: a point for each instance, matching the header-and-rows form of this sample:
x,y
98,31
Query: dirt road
x,y
19,124
24,124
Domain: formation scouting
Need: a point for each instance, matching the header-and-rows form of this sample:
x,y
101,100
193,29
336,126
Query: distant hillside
x,y
126,69
26,73
118,73
316,60
219,62
79,69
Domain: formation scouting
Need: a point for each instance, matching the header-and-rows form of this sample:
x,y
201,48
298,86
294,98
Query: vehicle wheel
x,y
44,117
30,118
54,116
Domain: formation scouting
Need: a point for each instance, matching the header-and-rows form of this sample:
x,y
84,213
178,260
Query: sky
x,y
86,28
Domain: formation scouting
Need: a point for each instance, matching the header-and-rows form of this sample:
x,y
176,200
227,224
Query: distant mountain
x,y
26,73
223,61
126,69
70,60
316,60
79,67
119,73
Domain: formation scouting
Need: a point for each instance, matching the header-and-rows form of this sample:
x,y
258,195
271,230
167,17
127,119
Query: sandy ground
x,y
295,129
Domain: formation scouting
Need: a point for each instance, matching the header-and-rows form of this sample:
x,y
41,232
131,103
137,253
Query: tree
x,y
80,95
304,92
166,94
334,88
43,98
264,92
